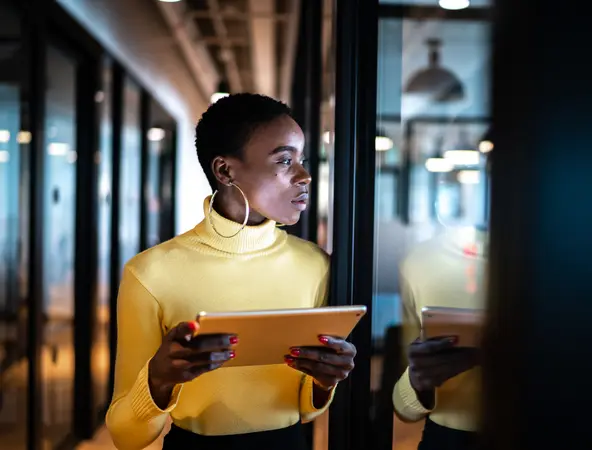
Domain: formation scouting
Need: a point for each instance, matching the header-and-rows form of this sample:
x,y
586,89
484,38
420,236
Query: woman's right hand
x,y
433,362
183,356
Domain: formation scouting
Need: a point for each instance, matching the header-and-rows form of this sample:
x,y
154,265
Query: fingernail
x,y
233,340
194,329
324,339
295,352
453,340
232,354
188,337
289,361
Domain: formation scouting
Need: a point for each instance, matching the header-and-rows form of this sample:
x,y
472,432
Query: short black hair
x,y
227,125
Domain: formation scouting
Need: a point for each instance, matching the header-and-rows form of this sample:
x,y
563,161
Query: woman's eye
x,y
286,162
304,162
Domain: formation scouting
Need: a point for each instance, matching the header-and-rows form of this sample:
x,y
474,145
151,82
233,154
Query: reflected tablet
x,y
265,337
466,324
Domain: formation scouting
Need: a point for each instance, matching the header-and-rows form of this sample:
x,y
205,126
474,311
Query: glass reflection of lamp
x,y
223,91
435,81
383,143
463,153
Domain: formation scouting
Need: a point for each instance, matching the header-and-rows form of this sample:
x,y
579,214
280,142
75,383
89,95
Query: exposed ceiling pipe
x,y
192,47
287,64
263,41
228,57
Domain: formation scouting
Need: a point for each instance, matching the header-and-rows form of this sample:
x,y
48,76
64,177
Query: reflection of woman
x,y
251,151
441,383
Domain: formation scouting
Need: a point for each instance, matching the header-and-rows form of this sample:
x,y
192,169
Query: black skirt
x,y
291,438
437,437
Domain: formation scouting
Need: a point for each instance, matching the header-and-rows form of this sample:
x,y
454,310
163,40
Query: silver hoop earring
x,y
247,212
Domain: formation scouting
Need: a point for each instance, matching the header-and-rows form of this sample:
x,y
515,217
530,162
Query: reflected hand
x,y
183,356
435,361
328,364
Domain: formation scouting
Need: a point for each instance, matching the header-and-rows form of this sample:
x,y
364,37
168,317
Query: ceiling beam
x,y
194,50
289,52
228,57
263,42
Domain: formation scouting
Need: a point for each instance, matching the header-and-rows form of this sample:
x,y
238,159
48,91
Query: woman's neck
x,y
231,208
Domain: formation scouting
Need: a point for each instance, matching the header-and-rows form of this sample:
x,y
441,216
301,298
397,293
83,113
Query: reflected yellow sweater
x,y
261,268
446,271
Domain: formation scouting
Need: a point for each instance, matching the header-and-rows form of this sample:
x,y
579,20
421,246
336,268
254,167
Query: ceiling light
x,y
439,165
468,177
4,136
58,149
455,4
223,91
4,156
383,143
24,137
156,134
437,82
485,146
462,157
170,1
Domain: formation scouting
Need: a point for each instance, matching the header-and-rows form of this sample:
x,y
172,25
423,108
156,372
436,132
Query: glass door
x,y
101,346
14,227
57,354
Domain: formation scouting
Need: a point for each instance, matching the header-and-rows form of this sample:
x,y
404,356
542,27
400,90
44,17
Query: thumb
x,y
184,331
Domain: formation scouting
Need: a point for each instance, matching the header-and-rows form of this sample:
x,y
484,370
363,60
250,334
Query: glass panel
x,y
100,352
159,182
431,221
14,221
59,236
130,177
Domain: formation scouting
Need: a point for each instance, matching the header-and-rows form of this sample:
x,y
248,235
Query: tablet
x,y
265,337
465,324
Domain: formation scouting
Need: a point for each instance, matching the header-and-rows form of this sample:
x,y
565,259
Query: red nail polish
x,y
289,360
233,340
295,352
324,340
193,326
232,355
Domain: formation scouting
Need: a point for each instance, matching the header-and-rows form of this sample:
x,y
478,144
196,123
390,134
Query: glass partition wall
x,y
71,140
410,206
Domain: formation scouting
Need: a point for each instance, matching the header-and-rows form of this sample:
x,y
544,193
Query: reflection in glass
x,y
130,178
431,210
14,221
100,352
58,266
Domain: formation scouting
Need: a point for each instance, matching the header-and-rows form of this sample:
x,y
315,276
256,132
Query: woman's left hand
x,y
328,364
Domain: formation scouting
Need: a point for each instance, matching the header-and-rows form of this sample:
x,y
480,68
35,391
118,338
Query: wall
x,y
134,32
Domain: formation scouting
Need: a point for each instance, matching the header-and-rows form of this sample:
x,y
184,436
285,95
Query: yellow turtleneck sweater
x,y
261,268
446,271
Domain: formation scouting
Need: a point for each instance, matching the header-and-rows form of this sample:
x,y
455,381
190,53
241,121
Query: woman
x,y
251,151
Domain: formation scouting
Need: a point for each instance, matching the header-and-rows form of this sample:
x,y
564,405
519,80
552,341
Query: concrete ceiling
x,y
250,44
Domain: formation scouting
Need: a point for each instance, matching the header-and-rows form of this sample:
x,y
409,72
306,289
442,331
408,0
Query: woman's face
x,y
271,172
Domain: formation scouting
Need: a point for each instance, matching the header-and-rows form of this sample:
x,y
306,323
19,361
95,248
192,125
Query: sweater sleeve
x,y
308,412
133,419
407,405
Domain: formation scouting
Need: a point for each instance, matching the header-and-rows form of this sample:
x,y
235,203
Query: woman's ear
x,y
221,170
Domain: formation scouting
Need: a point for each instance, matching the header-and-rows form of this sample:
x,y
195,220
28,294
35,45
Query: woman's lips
x,y
301,202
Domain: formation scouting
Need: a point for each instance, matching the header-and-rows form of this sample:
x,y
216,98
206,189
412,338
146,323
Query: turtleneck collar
x,y
251,239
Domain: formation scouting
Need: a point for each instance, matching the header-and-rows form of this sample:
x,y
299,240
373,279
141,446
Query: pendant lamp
x,y
435,81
